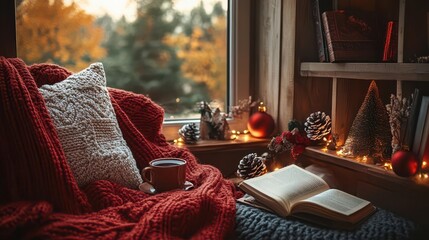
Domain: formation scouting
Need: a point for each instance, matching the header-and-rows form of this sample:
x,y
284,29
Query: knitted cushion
x,y
89,133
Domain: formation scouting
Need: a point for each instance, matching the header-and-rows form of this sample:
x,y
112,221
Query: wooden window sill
x,y
244,140
226,154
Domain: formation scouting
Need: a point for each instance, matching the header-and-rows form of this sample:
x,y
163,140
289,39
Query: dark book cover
x,y
412,119
318,7
351,36
390,51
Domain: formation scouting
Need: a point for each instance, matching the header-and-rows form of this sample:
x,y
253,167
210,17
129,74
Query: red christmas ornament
x,y
261,124
405,163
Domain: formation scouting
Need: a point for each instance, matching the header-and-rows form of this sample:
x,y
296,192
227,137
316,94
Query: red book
x,y
390,51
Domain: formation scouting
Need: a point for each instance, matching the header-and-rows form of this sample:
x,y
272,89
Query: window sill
x,y
226,154
244,140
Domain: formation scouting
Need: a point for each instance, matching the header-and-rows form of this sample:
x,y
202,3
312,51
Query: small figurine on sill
x,y
213,125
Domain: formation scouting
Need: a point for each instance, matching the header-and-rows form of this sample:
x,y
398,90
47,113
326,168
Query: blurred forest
x,y
175,58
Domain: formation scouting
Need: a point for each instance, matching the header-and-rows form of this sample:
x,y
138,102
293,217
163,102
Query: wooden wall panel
x,y
416,27
310,94
268,54
287,83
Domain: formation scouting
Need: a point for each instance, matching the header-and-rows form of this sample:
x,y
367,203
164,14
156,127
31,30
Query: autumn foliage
x,y
176,58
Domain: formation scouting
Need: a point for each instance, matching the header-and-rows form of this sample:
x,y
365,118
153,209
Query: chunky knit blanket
x,y
39,196
254,223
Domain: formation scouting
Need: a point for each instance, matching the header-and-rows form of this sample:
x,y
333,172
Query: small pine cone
x,y
190,133
251,166
317,126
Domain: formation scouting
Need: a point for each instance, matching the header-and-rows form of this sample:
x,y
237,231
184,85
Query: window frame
x,y
239,66
239,57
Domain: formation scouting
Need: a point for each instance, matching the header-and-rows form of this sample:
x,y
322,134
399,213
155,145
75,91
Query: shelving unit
x,y
367,71
339,89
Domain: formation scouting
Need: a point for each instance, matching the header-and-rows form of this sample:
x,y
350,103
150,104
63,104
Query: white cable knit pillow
x,y
88,130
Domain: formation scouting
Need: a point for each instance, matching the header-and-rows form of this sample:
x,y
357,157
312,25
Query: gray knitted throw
x,y
253,223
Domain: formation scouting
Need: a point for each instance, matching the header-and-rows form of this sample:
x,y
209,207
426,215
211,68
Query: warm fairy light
x,y
424,164
261,107
178,141
387,166
325,149
423,176
245,138
235,134
340,152
275,169
365,159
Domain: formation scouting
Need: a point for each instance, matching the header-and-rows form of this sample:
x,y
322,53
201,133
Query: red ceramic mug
x,y
165,174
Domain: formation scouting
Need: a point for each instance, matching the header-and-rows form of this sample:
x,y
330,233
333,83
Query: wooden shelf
x,y
367,71
331,157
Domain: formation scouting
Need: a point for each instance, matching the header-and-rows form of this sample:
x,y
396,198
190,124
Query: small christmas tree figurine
x,y
370,132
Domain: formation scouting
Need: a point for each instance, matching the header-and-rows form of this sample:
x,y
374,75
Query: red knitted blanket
x,y
39,197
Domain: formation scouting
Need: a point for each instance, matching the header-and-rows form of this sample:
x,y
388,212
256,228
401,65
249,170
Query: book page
x,y
338,201
286,186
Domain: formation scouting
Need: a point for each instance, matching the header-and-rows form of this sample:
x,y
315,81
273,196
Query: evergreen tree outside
x,y
145,55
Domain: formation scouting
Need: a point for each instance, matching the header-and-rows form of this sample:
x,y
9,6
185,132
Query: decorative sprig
x,y
243,106
399,111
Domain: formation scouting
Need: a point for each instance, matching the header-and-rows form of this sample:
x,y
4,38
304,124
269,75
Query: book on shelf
x,y
351,36
422,129
412,119
390,50
296,192
318,7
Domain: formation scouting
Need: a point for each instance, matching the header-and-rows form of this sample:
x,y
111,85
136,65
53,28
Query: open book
x,y
294,191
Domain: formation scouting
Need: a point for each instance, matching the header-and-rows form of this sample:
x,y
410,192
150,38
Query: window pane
x,y
174,51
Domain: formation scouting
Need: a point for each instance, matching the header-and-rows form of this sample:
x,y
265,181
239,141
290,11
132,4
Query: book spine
x,y
328,36
412,119
318,30
391,42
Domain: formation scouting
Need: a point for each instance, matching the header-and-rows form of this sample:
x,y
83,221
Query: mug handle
x,y
147,170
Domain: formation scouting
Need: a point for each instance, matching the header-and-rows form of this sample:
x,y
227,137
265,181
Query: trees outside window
x,y
177,57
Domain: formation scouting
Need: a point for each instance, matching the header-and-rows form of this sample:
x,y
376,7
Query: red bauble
x,y
405,163
261,124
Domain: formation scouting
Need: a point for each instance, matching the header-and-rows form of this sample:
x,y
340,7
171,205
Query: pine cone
x,y
251,166
317,126
190,133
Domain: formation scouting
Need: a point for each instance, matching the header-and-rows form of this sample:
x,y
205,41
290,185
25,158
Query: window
x,y
173,51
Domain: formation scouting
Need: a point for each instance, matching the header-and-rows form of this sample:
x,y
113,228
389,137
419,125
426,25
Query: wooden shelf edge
x,y
367,71
373,170
243,141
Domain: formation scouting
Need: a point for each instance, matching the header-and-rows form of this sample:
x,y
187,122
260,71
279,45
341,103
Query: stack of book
x,y
353,36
